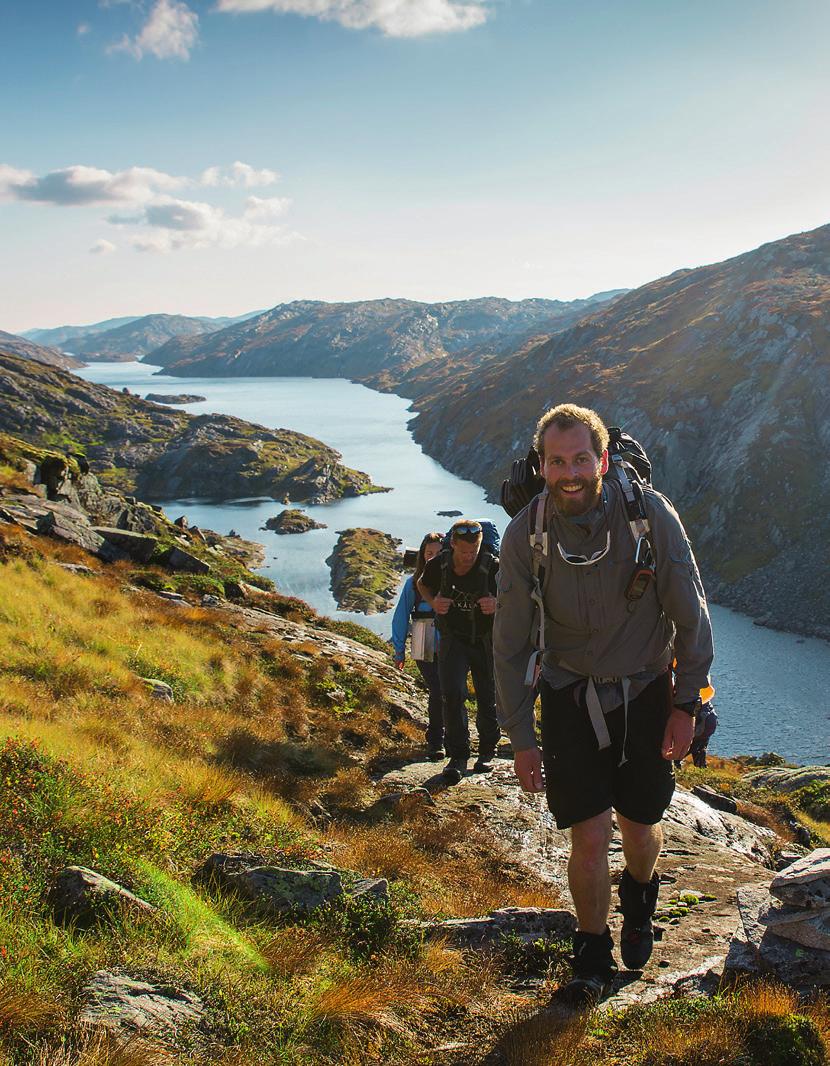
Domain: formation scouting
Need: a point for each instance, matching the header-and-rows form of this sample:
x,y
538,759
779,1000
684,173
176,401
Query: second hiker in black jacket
x,y
460,586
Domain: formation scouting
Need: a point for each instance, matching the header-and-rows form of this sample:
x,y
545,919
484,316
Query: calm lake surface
x,y
773,689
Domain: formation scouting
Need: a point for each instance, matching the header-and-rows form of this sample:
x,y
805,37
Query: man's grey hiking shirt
x,y
590,626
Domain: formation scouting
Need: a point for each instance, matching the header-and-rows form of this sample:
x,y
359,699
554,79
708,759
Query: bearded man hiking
x,y
604,617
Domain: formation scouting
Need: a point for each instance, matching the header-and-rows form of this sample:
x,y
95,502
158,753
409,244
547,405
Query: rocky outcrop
x,y
160,452
487,934
785,927
365,570
173,398
292,520
709,854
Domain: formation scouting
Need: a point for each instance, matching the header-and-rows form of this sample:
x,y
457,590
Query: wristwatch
x,y
690,707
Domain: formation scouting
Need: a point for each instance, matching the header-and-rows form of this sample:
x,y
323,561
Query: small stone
x,y
718,800
375,887
159,690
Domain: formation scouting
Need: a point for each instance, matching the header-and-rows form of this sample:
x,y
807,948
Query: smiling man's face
x,y
573,471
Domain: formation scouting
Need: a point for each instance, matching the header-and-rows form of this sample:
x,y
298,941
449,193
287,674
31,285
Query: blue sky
x,y
216,157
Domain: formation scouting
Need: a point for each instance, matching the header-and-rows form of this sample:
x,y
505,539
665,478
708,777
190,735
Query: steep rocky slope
x,y
723,373
27,349
163,453
382,343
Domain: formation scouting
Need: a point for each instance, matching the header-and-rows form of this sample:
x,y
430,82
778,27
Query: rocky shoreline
x,y
159,453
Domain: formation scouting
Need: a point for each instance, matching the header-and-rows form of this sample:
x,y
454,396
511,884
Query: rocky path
x,y
707,852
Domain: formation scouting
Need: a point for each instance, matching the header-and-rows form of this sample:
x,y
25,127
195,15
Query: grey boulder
x,y
806,883
83,896
121,1004
280,891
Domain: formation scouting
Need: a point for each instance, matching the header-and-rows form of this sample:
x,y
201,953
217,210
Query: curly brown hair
x,y
568,415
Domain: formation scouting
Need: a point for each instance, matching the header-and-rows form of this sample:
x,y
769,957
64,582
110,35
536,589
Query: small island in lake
x,y
181,397
292,520
450,514
365,570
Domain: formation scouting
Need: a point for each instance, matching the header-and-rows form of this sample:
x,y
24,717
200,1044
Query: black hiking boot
x,y
435,754
484,762
637,903
593,969
454,770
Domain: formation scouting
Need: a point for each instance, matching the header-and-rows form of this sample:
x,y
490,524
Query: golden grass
x,y
23,1009
293,952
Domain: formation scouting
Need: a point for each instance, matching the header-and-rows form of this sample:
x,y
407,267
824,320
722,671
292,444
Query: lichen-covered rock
x,y
178,559
282,891
83,896
117,1002
159,690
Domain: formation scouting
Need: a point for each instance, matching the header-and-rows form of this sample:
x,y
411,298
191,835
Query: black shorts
x,y
582,781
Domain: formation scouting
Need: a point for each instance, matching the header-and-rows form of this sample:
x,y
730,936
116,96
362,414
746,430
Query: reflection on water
x,y
773,688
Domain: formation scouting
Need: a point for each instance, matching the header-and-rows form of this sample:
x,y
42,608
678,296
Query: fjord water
x,y
773,689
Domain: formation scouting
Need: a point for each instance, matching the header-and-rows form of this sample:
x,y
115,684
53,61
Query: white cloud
x,y
79,186
239,174
152,218
170,32
395,18
266,210
177,224
83,29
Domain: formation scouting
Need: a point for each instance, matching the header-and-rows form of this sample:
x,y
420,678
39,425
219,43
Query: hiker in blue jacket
x,y
412,606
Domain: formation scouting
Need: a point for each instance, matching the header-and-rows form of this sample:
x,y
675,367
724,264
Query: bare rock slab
x,y
527,923
806,883
139,546
124,1005
83,896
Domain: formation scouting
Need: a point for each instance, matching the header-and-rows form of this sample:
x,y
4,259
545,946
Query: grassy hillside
x,y
263,734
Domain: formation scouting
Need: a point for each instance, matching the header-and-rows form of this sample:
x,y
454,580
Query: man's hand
x,y
441,604
528,767
680,731
487,604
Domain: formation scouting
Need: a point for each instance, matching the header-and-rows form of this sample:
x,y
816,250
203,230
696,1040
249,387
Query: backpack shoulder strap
x,y
538,534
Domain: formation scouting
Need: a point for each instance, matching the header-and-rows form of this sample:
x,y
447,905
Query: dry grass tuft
x,y
23,1009
292,952
208,787
103,1049
543,1039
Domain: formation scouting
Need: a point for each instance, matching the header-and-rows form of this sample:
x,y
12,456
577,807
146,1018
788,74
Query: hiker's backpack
x,y
488,556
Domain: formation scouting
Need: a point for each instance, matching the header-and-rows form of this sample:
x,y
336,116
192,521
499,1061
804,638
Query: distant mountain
x,y
723,373
384,343
62,336
128,338
27,349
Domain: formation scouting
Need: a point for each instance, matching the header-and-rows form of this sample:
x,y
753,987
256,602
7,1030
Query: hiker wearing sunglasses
x,y
595,630
460,586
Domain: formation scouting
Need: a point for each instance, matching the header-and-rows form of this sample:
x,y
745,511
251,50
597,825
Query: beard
x,y
577,503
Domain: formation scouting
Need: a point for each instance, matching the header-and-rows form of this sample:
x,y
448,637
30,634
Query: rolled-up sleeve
x,y
682,598
512,643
